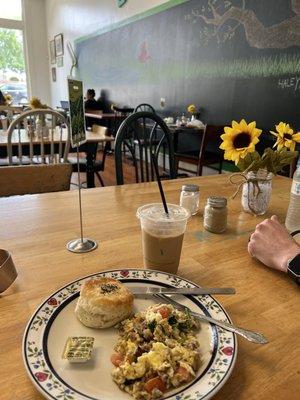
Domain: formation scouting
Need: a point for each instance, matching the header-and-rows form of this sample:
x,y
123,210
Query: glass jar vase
x,y
257,192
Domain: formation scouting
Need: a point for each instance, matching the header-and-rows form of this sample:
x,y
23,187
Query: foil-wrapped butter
x,y
78,348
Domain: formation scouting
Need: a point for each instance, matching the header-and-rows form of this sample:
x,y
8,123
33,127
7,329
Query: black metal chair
x,y
209,153
143,128
148,107
144,107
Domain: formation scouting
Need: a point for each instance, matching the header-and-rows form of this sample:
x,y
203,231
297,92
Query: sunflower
x,y
285,136
239,140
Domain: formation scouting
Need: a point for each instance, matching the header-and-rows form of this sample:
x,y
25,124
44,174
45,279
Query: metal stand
x,y
82,245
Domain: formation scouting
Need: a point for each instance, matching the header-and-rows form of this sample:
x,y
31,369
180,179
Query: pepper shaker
x,y
215,214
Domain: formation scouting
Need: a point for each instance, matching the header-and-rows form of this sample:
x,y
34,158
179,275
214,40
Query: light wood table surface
x,y
35,229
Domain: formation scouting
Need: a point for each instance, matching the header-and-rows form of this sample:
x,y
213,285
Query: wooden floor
x,y
109,175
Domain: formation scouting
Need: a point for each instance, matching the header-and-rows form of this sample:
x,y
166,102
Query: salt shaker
x,y
189,198
215,214
183,119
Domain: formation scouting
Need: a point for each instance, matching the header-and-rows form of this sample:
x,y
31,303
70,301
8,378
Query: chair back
x,y
4,123
42,132
32,179
150,133
211,142
144,107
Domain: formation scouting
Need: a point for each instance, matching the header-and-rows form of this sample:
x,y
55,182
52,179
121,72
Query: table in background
x,y
111,120
88,148
186,139
37,228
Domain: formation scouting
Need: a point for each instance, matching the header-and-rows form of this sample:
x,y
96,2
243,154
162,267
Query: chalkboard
x,y
232,58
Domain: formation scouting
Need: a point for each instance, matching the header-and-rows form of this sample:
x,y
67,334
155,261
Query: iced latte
x,y
162,235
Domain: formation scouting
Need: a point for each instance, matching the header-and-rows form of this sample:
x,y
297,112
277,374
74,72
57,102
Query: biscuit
x,y
103,302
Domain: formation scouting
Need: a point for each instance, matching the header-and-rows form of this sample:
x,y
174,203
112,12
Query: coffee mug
x,y
8,272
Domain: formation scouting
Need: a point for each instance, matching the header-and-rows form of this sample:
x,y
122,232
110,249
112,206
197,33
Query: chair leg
x,y
220,167
200,167
176,166
100,178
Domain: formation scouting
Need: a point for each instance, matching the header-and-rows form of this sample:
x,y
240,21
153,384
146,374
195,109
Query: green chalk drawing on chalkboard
x,y
219,20
121,2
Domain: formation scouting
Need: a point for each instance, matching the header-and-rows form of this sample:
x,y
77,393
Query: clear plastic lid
x,y
155,212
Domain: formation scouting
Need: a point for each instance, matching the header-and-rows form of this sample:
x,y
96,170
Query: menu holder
x,y
78,137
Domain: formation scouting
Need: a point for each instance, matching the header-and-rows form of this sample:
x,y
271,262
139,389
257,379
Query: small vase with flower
x,y
257,170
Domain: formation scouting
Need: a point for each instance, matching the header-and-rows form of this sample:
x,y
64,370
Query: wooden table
x,y
13,109
111,120
100,115
88,148
36,229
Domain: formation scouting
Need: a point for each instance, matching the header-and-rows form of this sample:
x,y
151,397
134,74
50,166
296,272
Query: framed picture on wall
x,y
52,52
53,72
60,61
59,45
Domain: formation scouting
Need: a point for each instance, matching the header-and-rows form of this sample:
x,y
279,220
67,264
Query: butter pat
x,y
78,349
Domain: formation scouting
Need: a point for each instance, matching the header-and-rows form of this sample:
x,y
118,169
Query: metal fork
x,y
254,337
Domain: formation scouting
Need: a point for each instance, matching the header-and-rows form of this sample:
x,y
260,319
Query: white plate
x,y
54,321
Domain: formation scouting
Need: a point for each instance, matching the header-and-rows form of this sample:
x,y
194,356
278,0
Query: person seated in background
x,y
2,103
103,102
90,102
2,99
272,244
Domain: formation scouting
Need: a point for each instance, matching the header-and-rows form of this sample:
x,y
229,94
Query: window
x,y
12,65
11,9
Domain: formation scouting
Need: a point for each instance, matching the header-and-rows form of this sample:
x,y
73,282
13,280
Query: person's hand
x,y
271,244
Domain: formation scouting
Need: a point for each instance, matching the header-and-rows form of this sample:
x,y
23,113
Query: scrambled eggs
x,y
157,350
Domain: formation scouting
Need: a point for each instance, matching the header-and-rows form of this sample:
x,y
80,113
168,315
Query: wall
x,y
75,18
36,49
235,59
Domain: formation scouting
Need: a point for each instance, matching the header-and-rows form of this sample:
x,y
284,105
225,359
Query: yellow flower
x,y
192,109
285,136
36,103
8,99
239,140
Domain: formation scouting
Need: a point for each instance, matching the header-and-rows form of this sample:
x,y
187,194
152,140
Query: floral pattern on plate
x,y
51,386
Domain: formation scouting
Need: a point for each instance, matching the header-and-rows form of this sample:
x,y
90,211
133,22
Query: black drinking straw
x,y
162,194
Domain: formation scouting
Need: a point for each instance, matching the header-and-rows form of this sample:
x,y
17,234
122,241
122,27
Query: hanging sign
x,y
77,119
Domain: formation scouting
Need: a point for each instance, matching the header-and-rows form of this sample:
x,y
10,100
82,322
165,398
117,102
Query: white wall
x,y
76,18
36,49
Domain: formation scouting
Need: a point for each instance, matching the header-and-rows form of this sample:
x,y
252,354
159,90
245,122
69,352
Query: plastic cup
x,y
162,235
